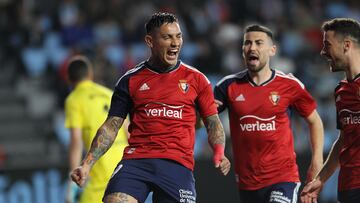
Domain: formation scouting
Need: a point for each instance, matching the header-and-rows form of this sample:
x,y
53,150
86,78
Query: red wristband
x,y
218,153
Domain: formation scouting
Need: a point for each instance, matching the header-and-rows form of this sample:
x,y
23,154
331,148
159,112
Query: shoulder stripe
x,y
196,70
191,67
290,77
238,75
133,70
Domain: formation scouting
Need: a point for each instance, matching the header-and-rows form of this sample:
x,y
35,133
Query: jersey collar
x,y
355,78
264,83
169,69
84,83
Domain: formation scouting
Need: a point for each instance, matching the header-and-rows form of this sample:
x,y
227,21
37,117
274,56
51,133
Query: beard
x,y
337,66
334,69
254,68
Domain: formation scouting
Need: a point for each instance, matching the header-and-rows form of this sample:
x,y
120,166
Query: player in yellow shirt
x,y
86,108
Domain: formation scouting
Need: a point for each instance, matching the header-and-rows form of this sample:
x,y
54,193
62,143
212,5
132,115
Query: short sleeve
x,y
205,99
220,95
303,102
121,101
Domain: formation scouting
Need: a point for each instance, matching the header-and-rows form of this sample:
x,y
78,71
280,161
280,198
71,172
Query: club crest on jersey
x,y
274,97
184,87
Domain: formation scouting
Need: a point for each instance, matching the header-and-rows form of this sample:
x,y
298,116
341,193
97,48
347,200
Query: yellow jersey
x,y
86,108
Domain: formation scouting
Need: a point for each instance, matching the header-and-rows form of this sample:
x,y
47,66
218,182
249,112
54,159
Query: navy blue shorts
x,y
349,196
280,192
170,181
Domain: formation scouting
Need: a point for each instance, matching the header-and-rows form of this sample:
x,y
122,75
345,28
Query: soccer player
x,y
259,99
342,49
162,95
86,108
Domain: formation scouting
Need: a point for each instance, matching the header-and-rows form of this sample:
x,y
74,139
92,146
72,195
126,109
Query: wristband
x,y
218,153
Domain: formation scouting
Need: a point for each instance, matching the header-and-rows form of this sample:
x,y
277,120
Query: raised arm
x,y
216,139
102,141
317,144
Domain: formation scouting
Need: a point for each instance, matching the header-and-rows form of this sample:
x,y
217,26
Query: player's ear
x,y
273,50
347,44
149,41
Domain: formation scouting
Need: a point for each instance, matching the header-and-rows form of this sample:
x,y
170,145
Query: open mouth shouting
x,y
252,59
172,54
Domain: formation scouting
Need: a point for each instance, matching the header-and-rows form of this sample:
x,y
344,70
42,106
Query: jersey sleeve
x,y
121,101
205,100
220,93
303,102
338,123
73,118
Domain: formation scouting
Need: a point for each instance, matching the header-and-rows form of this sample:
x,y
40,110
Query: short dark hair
x,y
260,28
345,27
158,19
78,68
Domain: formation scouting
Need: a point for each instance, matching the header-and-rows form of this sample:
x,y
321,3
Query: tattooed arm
x,y
102,141
216,138
214,130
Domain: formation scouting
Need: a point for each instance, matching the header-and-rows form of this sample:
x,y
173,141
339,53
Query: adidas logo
x,y
144,87
240,98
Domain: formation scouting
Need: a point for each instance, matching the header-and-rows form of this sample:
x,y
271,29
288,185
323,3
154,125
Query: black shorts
x,y
349,196
170,181
279,192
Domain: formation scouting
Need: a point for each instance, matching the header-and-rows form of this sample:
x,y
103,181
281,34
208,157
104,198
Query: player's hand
x,y
80,175
311,191
224,166
220,161
218,103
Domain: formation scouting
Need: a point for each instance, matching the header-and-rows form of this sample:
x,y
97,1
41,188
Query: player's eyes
x,y
247,43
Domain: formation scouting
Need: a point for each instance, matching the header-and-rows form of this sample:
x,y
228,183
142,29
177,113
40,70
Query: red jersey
x,y
347,99
260,129
162,108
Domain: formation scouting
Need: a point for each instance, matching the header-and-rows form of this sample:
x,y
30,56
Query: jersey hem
x,y
174,158
296,180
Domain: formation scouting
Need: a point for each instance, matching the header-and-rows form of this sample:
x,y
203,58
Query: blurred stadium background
x,y
37,37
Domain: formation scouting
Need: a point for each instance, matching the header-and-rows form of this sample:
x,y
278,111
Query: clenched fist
x,y
80,175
